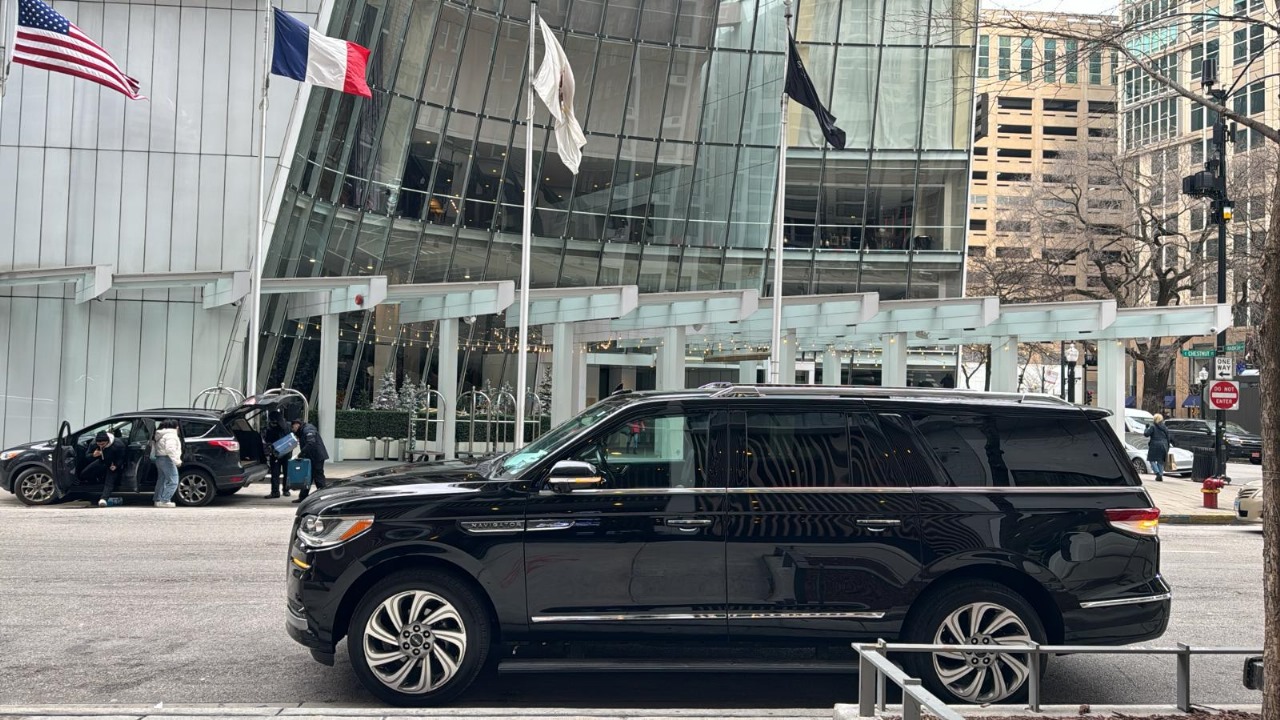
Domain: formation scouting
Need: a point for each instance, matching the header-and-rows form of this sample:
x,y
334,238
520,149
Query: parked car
x,y
222,453
751,515
1249,502
1195,432
1136,421
1135,445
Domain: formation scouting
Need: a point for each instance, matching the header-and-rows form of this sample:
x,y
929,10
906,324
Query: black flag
x,y
800,88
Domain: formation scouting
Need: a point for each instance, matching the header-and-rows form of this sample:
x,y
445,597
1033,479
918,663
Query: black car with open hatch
x,y
754,517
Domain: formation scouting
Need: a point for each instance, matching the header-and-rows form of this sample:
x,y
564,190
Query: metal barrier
x,y
874,667
475,404
533,414
428,417
204,398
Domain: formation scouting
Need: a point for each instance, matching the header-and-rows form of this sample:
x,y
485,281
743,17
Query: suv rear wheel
x,y
974,612
419,638
195,488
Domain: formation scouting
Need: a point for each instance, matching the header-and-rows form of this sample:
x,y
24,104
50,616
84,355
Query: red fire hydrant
x,y
1212,486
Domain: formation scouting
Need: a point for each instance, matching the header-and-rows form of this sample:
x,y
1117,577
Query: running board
x,y
516,666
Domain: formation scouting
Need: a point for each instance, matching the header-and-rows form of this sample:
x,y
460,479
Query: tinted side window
x,y
805,449
196,428
1021,450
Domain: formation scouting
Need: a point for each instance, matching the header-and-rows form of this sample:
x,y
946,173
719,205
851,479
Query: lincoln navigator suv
x,y
748,516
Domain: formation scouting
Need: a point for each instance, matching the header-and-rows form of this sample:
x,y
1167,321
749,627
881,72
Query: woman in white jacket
x,y
167,456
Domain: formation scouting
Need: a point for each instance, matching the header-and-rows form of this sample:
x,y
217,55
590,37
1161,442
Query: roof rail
x,y
729,390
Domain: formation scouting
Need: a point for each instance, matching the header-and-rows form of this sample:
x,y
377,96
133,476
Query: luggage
x,y
285,445
298,473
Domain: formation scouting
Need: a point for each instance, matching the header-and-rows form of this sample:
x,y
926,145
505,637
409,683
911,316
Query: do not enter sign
x,y
1224,395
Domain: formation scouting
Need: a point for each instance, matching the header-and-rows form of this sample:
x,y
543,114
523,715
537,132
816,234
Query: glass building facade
x,y
679,99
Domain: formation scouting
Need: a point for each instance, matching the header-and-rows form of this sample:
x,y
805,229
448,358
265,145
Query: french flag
x,y
303,54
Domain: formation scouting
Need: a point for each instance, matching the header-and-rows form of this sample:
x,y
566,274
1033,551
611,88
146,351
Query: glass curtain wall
x,y
679,99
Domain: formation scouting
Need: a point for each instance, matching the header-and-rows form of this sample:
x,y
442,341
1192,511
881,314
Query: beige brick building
x,y
1052,113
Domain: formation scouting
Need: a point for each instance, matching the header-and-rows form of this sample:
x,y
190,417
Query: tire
x,y
390,622
195,488
1139,466
947,617
35,486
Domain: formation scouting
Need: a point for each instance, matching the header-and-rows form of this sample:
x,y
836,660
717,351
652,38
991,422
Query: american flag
x,y
48,41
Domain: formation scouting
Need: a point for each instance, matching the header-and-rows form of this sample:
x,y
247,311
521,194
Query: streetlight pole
x,y
1222,207
1072,355
1203,377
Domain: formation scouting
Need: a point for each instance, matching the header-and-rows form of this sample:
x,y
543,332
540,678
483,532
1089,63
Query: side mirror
x,y
569,475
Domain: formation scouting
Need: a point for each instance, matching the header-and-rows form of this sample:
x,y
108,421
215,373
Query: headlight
x,y
1234,441
10,454
318,532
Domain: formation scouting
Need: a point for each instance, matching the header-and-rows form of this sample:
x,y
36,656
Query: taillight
x,y
1145,521
228,445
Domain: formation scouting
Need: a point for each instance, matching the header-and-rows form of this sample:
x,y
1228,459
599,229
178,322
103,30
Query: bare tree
x,y
1143,39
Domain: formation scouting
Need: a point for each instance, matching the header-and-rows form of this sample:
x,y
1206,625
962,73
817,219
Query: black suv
x,y
221,454
745,515
1195,432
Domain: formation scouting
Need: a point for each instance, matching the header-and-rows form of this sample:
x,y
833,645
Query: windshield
x,y
1237,430
1136,440
536,450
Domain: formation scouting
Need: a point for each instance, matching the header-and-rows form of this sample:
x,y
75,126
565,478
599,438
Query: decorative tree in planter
x,y
388,398
410,399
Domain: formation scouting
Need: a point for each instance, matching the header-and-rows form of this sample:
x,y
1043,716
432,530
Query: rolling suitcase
x,y
298,473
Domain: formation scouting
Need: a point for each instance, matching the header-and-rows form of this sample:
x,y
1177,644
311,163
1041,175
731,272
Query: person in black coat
x,y
111,459
1157,446
311,447
276,428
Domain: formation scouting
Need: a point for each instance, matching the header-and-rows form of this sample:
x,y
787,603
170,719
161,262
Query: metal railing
x,y
874,667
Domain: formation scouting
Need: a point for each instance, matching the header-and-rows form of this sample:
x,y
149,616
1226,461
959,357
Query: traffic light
x,y
981,113
1201,184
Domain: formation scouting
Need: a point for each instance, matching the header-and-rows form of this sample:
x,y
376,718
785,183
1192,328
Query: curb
x,y
850,712
1199,519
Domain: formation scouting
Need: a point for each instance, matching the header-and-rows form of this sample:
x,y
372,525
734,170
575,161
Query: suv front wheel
x,y
979,613
419,638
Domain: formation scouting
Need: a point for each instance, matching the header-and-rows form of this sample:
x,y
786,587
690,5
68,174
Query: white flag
x,y
554,84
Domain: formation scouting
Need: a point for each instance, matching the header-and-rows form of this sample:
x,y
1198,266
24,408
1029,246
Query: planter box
x,y
350,449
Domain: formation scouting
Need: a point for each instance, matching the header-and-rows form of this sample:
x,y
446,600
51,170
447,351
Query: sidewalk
x,y
1180,500
308,711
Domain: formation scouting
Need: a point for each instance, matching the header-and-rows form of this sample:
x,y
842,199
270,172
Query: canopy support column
x,y
447,350
671,374
326,401
1110,392
893,360
1004,365
831,362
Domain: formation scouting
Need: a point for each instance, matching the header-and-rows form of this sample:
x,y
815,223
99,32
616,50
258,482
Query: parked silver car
x,y
1136,446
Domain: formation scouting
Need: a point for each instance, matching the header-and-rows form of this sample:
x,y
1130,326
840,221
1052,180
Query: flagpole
x,y
775,349
10,39
526,244
255,269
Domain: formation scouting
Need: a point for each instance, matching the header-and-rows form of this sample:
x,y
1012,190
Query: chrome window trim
x,y
661,617
1125,601
931,489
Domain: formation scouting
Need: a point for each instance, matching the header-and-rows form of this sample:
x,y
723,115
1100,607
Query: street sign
x,y
1224,395
1234,347
1198,353
1222,367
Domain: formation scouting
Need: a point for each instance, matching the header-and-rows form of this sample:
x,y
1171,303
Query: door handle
x,y
688,523
878,524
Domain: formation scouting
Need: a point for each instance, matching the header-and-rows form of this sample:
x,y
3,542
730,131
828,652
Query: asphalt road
x,y
143,605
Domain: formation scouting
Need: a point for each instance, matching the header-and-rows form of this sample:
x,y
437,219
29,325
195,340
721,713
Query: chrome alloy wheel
x,y
37,487
982,677
194,489
414,642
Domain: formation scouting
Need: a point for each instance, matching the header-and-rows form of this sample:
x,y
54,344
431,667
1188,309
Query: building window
x,y
1202,117
1060,131
977,251
1027,58
1115,67
1014,153
1200,52
1150,123
1101,107
1006,177
1247,43
979,152
984,56
1014,252
1013,130
1013,103
1102,132
978,200
979,174
1051,105
1095,67
1073,59
1050,60
1005,59
978,225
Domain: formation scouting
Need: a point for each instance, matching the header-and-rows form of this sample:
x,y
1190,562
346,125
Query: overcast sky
x,y
1075,6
